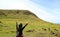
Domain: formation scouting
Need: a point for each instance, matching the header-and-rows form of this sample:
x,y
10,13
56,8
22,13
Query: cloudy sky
x,y
48,10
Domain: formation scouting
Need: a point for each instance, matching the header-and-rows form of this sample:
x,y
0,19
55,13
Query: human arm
x,y
24,26
16,26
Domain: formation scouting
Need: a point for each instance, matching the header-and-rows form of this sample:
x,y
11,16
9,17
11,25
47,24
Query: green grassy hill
x,y
36,27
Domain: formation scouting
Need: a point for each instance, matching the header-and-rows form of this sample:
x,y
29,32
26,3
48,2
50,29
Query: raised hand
x,y
25,26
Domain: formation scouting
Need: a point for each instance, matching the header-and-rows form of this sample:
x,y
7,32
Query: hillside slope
x,y
19,14
36,27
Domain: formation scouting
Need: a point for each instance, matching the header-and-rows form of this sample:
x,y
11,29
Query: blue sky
x,y
48,3
48,10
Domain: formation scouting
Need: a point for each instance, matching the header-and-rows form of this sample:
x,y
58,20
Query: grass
x,y
36,27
